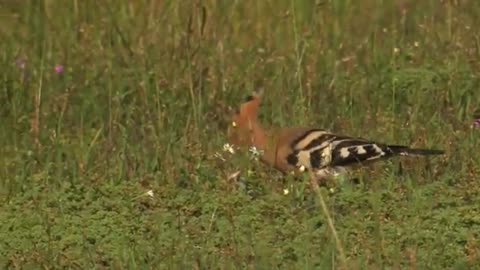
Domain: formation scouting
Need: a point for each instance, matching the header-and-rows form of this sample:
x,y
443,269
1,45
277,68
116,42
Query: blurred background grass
x,y
142,104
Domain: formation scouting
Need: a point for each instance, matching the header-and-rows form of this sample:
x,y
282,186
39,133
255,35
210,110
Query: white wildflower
x,y
286,191
228,148
150,193
255,153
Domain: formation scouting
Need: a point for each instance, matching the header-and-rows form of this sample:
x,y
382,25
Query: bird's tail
x,y
407,151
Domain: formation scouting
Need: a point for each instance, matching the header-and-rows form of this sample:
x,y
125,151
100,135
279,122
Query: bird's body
x,y
300,148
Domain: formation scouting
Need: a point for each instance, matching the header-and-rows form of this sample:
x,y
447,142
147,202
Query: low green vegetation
x,y
113,117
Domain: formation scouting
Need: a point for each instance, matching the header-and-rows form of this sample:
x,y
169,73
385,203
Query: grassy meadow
x,y
114,113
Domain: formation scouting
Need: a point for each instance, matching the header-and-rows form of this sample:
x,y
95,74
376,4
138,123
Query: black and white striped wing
x,y
319,149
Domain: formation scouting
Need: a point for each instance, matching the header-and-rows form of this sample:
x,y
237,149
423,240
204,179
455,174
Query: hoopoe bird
x,y
298,149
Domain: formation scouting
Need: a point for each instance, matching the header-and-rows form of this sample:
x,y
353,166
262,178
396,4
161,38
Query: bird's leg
x,y
329,177
323,177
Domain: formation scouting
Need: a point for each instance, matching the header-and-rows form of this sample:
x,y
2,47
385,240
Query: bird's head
x,y
244,129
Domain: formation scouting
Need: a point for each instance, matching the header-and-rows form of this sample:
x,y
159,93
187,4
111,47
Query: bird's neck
x,y
265,142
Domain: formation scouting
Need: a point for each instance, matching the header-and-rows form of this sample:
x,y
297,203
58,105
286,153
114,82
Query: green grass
x,y
143,104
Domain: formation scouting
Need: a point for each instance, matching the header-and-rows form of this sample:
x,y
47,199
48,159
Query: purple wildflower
x,y
476,119
58,68
476,123
21,63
